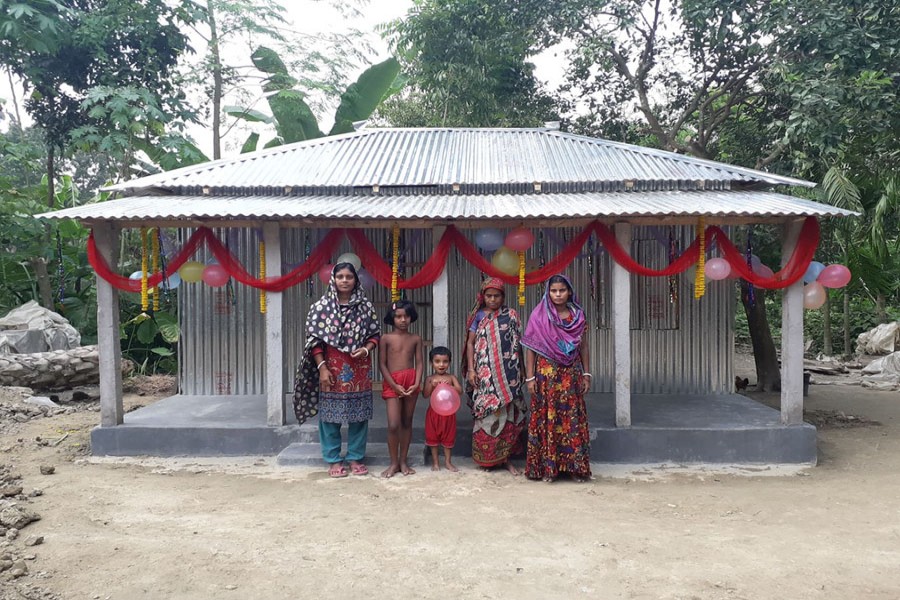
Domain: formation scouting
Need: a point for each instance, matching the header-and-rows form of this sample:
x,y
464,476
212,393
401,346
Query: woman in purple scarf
x,y
556,355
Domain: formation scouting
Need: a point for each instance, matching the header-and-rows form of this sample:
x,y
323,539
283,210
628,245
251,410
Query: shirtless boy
x,y
400,361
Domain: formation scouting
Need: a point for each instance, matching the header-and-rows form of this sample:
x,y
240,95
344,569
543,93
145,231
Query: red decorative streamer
x,y
796,266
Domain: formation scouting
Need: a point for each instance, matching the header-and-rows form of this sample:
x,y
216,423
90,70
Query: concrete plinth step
x,y
307,454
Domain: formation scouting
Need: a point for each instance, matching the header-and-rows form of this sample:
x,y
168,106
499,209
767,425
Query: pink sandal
x,y
359,469
337,470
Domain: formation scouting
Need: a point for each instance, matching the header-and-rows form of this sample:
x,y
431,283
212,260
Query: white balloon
x,y
349,257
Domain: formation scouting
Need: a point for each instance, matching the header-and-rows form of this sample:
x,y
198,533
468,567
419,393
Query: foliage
x,y
292,117
837,67
236,27
116,44
31,26
467,61
149,341
22,237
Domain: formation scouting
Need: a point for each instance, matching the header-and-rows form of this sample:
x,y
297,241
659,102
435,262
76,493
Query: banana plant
x,y
292,117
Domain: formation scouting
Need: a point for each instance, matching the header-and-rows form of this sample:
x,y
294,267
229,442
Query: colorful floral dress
x,y
497,403
558,434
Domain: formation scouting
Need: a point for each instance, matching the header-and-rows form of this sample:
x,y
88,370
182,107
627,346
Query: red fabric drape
x,y
793,270
317,258
134,285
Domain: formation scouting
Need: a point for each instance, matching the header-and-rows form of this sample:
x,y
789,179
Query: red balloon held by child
x,y
444,400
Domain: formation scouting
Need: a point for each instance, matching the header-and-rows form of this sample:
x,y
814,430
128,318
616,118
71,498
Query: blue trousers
x,y
330,440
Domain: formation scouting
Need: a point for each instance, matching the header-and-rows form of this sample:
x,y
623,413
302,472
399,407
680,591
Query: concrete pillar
x,y
106,236
791,336
621,325
440,318
274,324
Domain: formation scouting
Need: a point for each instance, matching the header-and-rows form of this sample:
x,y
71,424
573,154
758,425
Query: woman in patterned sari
x,y
556,354
334,378
493,372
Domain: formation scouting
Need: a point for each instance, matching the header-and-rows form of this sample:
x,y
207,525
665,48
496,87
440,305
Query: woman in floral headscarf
x,y
493,372
334,376
556,354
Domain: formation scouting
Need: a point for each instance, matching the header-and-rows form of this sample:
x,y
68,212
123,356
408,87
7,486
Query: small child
x,y
440,430
400,362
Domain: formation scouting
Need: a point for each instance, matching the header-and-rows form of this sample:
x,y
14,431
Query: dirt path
x,y
246,529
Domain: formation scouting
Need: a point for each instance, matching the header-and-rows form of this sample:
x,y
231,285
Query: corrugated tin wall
x,y
683,346
222,347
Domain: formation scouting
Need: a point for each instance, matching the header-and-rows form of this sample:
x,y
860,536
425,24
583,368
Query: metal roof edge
x,y
646,150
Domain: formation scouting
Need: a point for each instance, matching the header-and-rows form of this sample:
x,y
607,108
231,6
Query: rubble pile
x,y
19,405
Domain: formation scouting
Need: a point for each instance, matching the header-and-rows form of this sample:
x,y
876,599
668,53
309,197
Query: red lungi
x,y
440,430
404,379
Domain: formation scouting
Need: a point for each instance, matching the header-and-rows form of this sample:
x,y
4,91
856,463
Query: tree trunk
x,y
847,349
42,276
39,263
217,81
881,308
12,93
827,345
768,371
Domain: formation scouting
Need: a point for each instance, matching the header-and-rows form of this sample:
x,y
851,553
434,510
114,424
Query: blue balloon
x,y
813,271
489,239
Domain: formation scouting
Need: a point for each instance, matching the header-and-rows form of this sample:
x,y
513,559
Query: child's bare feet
x,y
451,467
511,468
435,466
406,469
390,471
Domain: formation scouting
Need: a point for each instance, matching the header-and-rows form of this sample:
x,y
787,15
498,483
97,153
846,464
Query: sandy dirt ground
x,y
202,529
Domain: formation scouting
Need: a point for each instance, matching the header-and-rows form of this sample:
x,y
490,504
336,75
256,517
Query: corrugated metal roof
x,y
454,206
444,157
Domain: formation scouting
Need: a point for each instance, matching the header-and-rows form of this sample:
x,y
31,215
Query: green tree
x,y
68,53
468,65
838,73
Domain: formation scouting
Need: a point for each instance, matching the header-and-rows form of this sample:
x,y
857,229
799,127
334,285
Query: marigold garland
x,y
395,266
700,275
521,278
145,300
262,275
154,242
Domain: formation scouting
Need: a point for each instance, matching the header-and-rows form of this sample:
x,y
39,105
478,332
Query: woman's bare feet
x,y
390,471
406,469
511,468
450,466
435,466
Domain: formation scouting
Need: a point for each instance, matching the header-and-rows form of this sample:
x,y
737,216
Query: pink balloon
x,y
444,400
814,295
717,268
215,275
519,239
834,276
325,273
763,271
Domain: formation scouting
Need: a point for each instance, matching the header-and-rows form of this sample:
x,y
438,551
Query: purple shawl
x,y
546,333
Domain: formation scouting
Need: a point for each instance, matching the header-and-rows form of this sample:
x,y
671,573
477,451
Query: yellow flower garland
x,y
700,275
395,267
262,276
154,242
521,278
145,300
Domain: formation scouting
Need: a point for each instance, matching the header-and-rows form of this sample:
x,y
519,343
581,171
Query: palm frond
x,y
840,191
